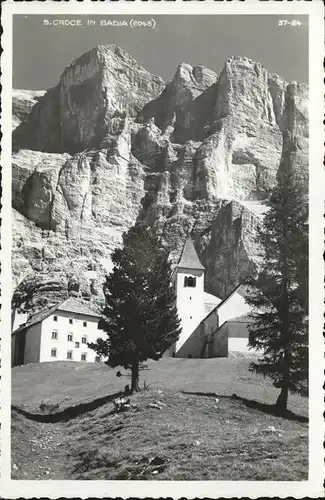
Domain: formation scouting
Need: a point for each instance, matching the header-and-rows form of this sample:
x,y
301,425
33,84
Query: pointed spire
x,y
189,257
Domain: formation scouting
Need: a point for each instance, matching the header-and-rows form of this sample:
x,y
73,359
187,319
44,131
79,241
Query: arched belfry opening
x,y
190,281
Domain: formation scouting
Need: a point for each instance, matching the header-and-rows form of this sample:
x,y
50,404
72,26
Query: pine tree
x,y
280,294
140,316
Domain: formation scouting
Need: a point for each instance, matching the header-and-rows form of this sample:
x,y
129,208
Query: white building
x,y
189,282
211,327
57,334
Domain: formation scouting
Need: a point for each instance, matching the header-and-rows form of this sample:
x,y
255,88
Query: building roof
x,y
210,302
36,318
244,318
189,257
240,289
235,290
75,305
71,304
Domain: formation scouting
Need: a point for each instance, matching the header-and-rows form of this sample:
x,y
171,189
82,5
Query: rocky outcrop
x,y
22,103
72,210
232,252
237,120
102,187
75,114
111,144
41,130
79,261
295,131
42,290
172,109
34,179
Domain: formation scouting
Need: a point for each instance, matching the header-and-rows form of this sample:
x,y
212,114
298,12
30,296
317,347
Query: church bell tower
x,y
189,292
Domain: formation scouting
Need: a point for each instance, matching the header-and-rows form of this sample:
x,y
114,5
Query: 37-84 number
x,y
287,22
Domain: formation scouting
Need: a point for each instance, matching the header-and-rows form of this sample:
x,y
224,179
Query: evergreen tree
x,y
140,316
280,294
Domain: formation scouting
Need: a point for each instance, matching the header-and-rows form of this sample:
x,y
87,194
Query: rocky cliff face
x,y
112,143
23,102
77,113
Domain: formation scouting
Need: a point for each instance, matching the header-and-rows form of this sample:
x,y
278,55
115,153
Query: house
x,y
57,334
211,327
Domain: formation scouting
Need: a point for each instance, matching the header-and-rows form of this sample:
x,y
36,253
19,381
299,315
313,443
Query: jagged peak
x,y
242,59
240,64
187,75
117,52
276,78
120,53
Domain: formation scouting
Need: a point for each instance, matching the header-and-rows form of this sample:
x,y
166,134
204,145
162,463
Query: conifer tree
x,y
140,316
280,294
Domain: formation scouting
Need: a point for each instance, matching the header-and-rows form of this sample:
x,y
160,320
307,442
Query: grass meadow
x,y
195,419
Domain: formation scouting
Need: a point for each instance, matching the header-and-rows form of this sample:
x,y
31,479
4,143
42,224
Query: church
x,y
211,327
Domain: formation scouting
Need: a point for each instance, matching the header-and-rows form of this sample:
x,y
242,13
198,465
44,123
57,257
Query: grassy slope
x,y
191,437
70,383
38,451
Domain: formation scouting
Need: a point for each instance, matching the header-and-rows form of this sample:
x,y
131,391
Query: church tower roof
x,y
189,258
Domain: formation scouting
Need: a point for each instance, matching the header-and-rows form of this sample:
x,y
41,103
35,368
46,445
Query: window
x,y
53,353
97,359
84,323
69,355
84,357
54,335
55,318
84,340
70,337
77,344
190,281
70,321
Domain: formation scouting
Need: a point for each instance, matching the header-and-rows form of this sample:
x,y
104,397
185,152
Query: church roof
x,y
189,258
210,302
241,289
243,318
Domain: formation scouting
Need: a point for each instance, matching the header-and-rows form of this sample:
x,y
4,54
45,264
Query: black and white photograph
x,y
161,307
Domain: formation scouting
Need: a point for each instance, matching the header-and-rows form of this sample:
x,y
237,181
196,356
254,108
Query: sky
x,y
41,52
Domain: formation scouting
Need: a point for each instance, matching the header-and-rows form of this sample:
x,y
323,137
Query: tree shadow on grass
x,y
256,405
68,413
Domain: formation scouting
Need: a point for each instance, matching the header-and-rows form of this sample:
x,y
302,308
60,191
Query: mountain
x,y
112,143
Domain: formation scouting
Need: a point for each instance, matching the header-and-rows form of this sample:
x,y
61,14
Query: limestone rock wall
x,y
112,143
22,103
74,115
232,252
177,103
